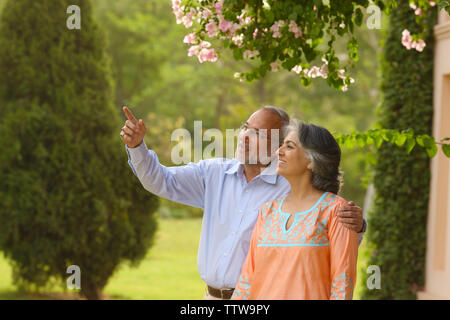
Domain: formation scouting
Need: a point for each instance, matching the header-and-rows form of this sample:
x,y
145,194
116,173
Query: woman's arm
x,y
343,257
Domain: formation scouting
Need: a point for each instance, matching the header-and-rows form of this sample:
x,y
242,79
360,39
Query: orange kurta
x,y
314,259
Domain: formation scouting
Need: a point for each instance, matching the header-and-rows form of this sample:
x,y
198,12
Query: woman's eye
x,y
289,147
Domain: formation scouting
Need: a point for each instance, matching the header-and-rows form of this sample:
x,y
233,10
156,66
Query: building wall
x,y
437,283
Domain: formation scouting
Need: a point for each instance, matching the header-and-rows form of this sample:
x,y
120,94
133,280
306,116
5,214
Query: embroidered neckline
x,y
285,216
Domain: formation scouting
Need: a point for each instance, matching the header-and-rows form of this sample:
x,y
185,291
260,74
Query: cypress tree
x,y
397,223
68,196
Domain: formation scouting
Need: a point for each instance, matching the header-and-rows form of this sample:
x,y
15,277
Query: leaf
x,y
358,17
420,141
446,149
387,135
350,142
432,150
361,140
410,143
401,139
378,140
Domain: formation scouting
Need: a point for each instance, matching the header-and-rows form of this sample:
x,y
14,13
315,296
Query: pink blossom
x,y
218,6
207,55
406,39
177,11
205,44
190,38
314,72
248,54
420,45
275,28
224,25
295,29
324,71
275,66
413,6
206,13
187,19
255,33
193,51
238,40
297,69
212,28
432,3
418,12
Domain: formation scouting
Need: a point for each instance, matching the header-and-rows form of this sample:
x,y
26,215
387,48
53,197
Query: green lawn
x,y
168,272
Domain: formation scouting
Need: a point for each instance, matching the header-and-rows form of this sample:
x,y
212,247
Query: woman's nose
x,y
279,151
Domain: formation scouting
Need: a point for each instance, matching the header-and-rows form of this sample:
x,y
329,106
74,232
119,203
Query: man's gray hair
x,y
283,115
284,118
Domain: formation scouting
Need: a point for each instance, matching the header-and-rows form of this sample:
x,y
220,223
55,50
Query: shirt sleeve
x,y
183,184
243,287
343,258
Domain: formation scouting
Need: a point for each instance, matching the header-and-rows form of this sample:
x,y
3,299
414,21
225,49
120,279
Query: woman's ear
x,y
309,166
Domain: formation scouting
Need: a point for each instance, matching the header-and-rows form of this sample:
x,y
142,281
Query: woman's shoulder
x,y
333,201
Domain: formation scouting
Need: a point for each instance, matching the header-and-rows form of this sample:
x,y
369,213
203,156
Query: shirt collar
x,y
268,175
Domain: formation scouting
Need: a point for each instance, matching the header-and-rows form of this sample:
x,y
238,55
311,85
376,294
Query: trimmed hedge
x,y
67,193
397,223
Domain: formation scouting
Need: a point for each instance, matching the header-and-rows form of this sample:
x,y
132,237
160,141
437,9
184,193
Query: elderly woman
x,y
298,249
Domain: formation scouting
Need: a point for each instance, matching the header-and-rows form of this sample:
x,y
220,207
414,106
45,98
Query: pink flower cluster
x,y
248,54
210,17
407,39
202,52
215,22
295,29
315,72
275,28
409,44
418,10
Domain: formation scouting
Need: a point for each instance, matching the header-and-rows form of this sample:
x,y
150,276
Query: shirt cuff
x,y
137,154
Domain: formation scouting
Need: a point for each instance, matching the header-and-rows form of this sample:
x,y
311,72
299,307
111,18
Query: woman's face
x,y
292,160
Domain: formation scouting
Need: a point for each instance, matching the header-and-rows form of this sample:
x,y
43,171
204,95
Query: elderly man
x,y
230,192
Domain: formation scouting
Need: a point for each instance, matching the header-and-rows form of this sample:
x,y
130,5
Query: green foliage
x,y
67,193
397,223
403,138
320,22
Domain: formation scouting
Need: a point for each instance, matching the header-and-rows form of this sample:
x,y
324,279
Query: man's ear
x,y
309,166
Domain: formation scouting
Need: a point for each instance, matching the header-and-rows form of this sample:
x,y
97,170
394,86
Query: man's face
x,y
259,138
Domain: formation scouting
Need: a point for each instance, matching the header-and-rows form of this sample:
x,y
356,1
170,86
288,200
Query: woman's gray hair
x,y
322,149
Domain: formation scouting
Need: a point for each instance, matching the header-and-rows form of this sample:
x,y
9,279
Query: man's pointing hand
x,y
133,132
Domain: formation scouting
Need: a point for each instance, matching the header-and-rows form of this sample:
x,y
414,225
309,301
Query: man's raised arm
x,y
183,184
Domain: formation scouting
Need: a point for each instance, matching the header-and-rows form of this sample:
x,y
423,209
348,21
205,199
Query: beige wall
x,y
437,283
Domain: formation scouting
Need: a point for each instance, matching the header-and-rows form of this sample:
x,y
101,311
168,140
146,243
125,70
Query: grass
x,y
168,272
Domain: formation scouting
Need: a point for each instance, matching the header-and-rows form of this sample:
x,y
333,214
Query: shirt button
x,y
233,232
224,254
240,211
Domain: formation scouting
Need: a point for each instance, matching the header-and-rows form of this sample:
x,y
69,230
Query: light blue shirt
x,y
230,205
